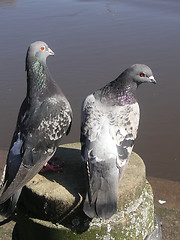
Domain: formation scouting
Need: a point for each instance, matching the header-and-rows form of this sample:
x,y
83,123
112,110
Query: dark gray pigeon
x,y
110,119
45,116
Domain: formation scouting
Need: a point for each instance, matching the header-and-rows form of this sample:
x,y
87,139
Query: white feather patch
x,y
15,150
123,131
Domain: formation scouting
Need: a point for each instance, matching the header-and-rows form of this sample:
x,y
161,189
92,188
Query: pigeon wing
x,y
37,138
124,126
14,157
107,137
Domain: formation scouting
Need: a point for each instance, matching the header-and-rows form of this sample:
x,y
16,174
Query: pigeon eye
x,y
42,48
142,74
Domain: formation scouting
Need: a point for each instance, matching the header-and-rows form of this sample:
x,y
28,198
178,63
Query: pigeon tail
x,y
101,200
7,208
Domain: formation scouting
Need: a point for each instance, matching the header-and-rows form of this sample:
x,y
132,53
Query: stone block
x,y
50,206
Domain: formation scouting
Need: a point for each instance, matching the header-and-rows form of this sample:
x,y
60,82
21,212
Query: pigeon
x,y
109,124
44,117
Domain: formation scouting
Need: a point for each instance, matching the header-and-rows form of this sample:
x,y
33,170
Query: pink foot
x,y
50,166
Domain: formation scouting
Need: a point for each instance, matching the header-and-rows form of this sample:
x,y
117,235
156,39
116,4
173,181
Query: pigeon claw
x,y
51,166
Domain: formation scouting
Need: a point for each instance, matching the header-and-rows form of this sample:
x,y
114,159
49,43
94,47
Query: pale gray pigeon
x,y
110,119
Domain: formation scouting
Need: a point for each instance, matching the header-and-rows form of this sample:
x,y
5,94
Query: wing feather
x,y
35,140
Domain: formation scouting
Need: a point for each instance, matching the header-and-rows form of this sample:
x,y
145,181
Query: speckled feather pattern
x,y
107,136
118,123
54,125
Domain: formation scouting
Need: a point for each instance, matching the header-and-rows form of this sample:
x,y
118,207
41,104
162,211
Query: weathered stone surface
x,y
51,204
52,195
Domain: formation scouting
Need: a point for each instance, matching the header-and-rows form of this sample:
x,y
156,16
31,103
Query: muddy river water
x,y
94,41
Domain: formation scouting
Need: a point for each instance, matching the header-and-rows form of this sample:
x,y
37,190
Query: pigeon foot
x,y
51,166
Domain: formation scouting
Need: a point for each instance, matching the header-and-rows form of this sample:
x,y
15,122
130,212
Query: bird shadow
x,y
73,176
73,179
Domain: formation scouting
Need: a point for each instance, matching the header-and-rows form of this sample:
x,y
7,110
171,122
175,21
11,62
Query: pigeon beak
x,y
50,52
152,79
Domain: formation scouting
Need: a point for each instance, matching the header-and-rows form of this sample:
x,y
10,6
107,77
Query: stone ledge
x,y
51,195
51,204
136,221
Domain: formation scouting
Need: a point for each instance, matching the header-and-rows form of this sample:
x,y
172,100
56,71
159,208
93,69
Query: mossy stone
x,y
51,204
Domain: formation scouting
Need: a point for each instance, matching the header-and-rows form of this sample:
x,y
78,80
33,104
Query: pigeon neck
x,y
37,77
120,93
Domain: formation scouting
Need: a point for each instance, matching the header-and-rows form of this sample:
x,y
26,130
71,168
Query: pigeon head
x,y
122,90
140,73
38,50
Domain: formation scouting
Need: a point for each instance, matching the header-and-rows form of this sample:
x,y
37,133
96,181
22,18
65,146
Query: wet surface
x,y
94,41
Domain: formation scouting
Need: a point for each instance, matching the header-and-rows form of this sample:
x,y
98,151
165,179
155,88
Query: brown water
x,y
94,41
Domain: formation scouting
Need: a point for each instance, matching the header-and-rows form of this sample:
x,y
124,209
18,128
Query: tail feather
x,y
7,208
101,200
